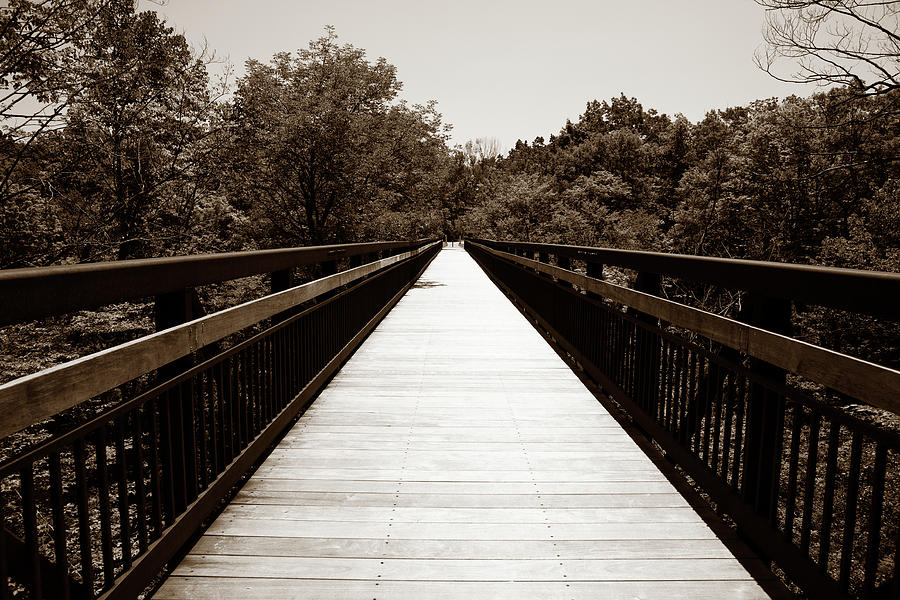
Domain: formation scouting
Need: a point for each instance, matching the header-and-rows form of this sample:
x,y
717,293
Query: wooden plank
x,y
468,549
465,454
349,442
548,432
461,531
459,487
215,588
411,514
460,436
291,567
531,500
489,462
272,471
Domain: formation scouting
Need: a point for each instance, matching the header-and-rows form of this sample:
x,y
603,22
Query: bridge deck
x,y
456,456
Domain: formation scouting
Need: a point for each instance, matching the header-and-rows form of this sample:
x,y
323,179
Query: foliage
x,y
322,151
136,126
37,53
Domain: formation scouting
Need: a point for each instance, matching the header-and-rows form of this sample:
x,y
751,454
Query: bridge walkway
x,y
457,456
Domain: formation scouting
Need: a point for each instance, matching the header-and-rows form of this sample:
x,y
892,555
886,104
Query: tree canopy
x,y
131,151
321,142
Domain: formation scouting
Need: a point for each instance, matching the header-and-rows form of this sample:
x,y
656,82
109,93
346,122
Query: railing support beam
x,y
647,346
763,414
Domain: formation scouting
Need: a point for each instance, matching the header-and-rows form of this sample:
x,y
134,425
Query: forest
x,y
117,144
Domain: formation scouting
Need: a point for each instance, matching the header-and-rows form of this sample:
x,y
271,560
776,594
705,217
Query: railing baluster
x,y
60,532
874,522
213,404
850,499
29,522
257,414
834,431
154,410
180,457
774,477
124,517
663,406
139,475
262,388
729,401
298,349
190,403
719,399
793,464
201,404
755,464
240,365
221,399
738,434
809,485
711,377
4,560
168,461
106,545
228,395
84,525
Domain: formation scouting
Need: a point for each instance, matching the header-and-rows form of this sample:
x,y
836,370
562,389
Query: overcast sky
x,y
515,69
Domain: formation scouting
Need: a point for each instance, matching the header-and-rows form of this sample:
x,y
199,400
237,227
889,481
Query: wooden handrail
x,y
32,398
34,293
868,292
871,383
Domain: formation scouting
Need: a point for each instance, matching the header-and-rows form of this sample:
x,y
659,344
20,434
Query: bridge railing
x,y
813,486
33,293
98,510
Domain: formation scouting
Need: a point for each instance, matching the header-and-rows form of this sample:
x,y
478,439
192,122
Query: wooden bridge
x,y
456,444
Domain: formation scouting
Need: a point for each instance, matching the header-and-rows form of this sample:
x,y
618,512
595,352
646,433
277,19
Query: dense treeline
x,y
134,152
802,180
116,144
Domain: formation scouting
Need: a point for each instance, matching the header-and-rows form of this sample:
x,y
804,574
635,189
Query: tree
x,y
136,126
38,50
321,148
846,42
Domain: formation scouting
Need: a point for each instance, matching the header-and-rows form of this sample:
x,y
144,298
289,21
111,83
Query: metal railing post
x,y
763,414
594,270
281,280
647,346
177,420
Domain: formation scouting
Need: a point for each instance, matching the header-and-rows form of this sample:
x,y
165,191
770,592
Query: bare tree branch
x,y
843,42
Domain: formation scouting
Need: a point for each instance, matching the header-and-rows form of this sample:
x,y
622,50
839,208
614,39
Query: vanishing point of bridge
x,y
456,444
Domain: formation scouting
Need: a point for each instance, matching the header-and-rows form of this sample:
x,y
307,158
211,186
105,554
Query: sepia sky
x,y
515,69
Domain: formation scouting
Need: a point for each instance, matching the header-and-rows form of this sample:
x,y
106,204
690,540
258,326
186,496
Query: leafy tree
x,y
321,147
137,126
38,49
